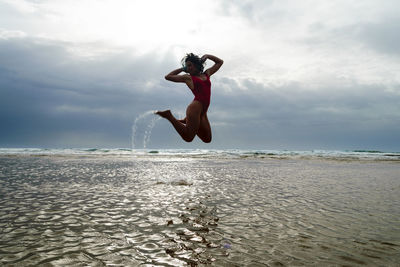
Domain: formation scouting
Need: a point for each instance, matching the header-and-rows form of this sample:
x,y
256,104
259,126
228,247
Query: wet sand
x,y
177,211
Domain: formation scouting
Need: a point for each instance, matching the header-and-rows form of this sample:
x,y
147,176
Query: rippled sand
x,y
174,211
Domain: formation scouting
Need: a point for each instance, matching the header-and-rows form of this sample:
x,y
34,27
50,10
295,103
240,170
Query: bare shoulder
x,y
187,77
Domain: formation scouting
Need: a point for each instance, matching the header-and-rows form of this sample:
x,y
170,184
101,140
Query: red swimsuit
x,y
202,91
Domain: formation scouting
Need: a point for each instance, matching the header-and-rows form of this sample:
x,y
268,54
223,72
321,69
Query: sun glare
x,y
138,23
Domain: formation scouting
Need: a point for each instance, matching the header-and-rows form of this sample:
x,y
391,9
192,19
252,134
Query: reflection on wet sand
x,y
84,211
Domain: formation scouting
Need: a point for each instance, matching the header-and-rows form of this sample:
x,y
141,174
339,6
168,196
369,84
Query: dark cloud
x,y
50,97
337,117
47,92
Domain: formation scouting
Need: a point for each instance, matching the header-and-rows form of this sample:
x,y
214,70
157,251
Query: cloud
x,y
317,42
52,97
47,90
22,6
296,116
382,36
296,74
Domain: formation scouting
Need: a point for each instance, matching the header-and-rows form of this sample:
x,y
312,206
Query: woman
x,y
196,121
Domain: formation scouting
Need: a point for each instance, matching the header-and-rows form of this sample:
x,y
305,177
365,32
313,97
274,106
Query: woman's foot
x,y
165,114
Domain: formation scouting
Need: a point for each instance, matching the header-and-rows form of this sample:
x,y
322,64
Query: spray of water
x,y
146,121
147,133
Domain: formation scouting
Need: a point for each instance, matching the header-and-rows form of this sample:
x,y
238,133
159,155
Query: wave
x,y
205,153
368,151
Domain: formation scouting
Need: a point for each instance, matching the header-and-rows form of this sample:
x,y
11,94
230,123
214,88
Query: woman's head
x,y
193,63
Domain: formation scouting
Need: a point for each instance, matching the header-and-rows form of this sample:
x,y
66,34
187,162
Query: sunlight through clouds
x,y
272,42
141,24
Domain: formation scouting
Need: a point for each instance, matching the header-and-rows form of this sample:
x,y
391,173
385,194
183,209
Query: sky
x,y
297,75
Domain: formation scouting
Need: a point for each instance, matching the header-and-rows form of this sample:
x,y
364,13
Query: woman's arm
x,y
217,64
174,76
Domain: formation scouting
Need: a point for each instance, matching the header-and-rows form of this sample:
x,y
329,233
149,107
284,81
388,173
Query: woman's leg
x,y
204,132
186,131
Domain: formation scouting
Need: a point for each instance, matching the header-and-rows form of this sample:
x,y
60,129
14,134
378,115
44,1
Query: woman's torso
x,y
202,89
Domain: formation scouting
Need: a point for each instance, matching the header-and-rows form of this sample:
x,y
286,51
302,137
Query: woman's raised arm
x,y
174,76
217,64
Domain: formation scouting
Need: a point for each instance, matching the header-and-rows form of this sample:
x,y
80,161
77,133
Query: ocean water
x,y
118,207
204,153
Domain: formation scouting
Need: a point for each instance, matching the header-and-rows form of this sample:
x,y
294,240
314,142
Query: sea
x,y
193,207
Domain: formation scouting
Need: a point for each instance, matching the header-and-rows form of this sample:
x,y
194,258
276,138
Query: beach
x,y
193,209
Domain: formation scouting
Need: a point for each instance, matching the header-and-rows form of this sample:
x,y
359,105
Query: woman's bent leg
x,y
186,131
204,132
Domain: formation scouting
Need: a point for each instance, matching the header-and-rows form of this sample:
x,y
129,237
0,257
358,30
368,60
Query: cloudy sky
x,y
297,74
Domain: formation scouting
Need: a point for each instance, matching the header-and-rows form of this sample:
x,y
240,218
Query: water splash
x,y
147,133
143,125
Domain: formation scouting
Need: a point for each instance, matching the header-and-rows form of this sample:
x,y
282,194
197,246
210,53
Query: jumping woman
x,y
196,121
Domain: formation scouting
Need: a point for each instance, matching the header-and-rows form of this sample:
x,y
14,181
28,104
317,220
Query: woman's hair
x,y
196,60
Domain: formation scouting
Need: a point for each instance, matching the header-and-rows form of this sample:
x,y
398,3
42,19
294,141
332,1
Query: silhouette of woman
x,y
196,121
